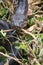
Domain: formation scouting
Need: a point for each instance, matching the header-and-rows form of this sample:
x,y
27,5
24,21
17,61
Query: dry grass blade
x,y
7,56
26,32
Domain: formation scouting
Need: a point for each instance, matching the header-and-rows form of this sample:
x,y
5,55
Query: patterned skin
x,y
19,18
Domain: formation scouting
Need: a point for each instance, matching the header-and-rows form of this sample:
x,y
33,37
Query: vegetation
x,y
29,40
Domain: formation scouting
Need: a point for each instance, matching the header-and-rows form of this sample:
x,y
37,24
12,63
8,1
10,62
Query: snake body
x,y
19,18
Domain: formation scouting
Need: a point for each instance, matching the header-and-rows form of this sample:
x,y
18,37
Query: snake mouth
x,y
18,20
22,25
19,25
